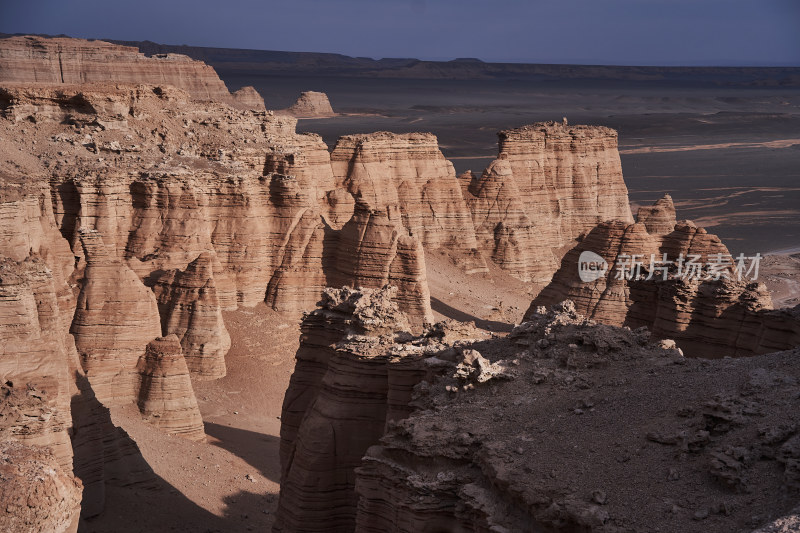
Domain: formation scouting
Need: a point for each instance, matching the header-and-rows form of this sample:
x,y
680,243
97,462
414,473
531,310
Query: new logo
x,y
591,266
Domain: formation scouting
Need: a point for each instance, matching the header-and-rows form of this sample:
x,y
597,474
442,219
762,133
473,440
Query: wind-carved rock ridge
x,y
706,317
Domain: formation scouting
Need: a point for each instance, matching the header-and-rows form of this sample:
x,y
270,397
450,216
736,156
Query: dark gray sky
x,y
634,32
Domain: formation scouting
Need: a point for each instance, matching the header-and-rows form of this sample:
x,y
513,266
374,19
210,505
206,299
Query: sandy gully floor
x,y
230,482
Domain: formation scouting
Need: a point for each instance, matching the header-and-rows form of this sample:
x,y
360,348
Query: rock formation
x,y
30,59
248,98
607,298
408,173
550,184
453,436
311,104
354,373
714,318
38,494
189,308
512,454
708,314
116,316
166,398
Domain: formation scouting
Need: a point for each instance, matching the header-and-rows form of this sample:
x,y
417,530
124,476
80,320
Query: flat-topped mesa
x,y
166,398
43,60
409,172
248,98
115,318
551,181
189,308
310,104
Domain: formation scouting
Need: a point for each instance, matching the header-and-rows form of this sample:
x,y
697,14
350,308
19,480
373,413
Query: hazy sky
x,y
636,32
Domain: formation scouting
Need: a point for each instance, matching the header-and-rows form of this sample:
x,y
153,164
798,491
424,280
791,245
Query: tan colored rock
x,y
33,59
375,250
189,308
608,299
34,357
551,181
311,104
38,495
166,398
248,98
116,317
337,405
659,219
714,318
408,172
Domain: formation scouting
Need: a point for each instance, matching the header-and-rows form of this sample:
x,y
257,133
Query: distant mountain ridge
x,y
235,61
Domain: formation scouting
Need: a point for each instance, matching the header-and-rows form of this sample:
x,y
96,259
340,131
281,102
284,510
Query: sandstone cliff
x,y
116,316
31,59
550,184
189,307
354,374
453,436
408,173
537,448
706,316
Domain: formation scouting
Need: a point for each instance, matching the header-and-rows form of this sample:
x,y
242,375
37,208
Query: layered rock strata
x,y
353,375
408,174
165,396
311,104
31,59
189,308
116,316
550,184
607,298
714,318
458,439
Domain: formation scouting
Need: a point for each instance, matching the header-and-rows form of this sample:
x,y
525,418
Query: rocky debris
x,y
311,104
550,184
32,59
166,398
115,318
512,455
189,308
37,493
475,368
